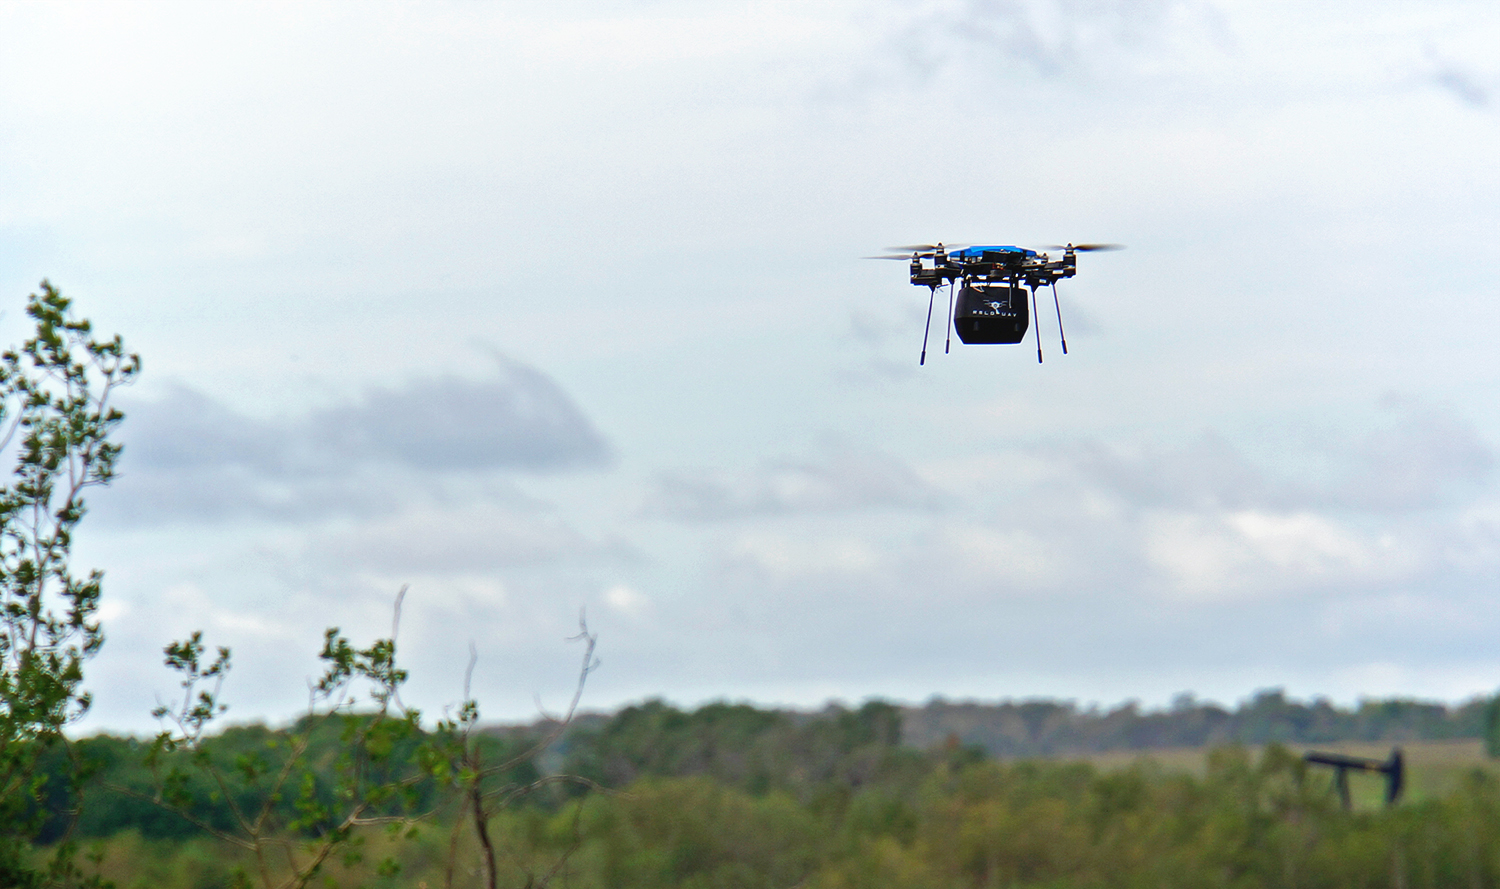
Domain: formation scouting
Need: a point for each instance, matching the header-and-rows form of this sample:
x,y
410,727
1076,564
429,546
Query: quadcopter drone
x,y
992,287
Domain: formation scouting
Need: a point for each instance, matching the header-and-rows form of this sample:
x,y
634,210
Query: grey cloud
x,y
1011,643
1391,510
1459,82
219,493
836,482
519,420
189,457
1462,85
1207,473
1051,37
871,329
1424,459
1011,29
186,430
871,339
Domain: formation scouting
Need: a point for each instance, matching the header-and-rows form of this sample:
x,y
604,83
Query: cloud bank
x,y
191,458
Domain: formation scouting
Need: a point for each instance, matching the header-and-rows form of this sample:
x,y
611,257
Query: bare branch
x,y
396,617
469,670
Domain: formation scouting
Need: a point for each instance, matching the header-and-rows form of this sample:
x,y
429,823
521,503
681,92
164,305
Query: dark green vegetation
x,y
734,796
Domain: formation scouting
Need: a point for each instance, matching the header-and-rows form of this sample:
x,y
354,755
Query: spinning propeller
x,y
924,251
926,248
1085,248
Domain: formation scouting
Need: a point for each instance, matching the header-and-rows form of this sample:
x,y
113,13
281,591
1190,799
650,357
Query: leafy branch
x,y
56,423
279,807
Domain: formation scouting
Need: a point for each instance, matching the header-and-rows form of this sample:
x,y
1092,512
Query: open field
x,y
1433,768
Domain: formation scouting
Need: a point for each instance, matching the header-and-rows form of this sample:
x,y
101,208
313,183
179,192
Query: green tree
x,y
300,800
56,422
293,813
1492,727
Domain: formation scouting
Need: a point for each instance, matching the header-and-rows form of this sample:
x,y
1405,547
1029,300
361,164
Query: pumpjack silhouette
x,y
1393,769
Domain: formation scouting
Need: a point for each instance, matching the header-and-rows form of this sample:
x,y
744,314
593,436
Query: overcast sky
x,y
542,308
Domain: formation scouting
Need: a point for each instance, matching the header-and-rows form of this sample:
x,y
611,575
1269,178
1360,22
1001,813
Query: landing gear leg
x,y
1056,305
947,345
931,295
1036,327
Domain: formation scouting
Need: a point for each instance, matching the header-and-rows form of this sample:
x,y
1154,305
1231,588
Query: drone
x,y
992,287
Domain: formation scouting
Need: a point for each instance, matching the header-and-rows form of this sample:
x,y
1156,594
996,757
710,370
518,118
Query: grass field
x,y
1433,768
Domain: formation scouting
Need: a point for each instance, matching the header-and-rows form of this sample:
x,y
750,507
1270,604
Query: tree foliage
x,y
299,800
56,425
268,793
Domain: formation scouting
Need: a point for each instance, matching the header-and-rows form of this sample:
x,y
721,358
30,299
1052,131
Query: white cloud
x,y
839,480
1421,458
1000,559
1258,554
626,600
458,540
779,558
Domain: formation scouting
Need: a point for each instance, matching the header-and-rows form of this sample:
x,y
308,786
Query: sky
x,y
544,311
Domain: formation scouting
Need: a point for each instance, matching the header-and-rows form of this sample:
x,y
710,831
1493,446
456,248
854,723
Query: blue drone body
x,y
975,253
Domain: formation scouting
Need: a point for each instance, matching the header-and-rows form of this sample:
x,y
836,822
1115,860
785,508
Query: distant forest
x,y
1054,728
758,750
1041,728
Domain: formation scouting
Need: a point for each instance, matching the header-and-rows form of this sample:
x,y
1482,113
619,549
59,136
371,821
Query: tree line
x,y
1053,728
